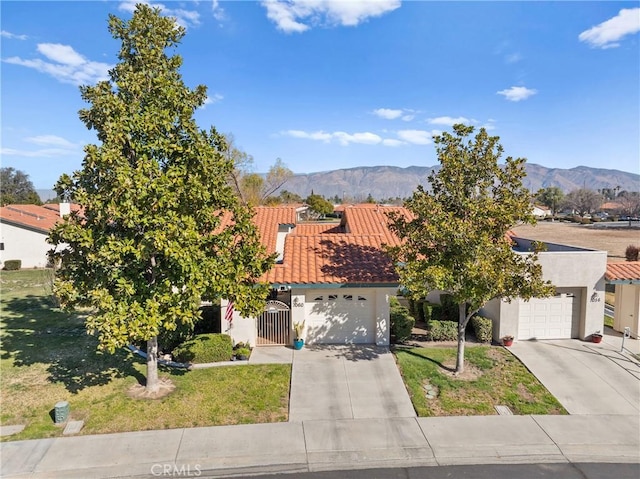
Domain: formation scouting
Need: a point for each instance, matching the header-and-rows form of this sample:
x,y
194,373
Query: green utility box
x,y
61,412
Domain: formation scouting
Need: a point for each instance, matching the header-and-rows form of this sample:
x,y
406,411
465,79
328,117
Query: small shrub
x,y
243,353
631,253
205,348
436,312
427,309
442,331
13,264
419,313
402,322
482,328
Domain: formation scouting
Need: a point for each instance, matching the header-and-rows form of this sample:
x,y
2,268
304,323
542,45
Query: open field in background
x,y
612,240
46,356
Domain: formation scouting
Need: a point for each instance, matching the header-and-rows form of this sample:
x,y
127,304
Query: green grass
x,y
493,377
608,321
46,356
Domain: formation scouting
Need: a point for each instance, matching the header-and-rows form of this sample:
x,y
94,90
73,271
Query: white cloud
x,y
61,53
295,16
66,65
448,120
210,100
417,137
12,36
608,33
393,114
366,138
341,137
517,93
387,113
185,18
50,140
43,153
218,11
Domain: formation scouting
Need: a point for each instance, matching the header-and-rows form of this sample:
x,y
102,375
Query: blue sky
x,y
327,84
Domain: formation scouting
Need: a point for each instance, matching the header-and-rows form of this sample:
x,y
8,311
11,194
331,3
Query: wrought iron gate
x,y
274,325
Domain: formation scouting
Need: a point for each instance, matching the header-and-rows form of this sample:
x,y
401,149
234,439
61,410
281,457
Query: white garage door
x,y
340,317
549,318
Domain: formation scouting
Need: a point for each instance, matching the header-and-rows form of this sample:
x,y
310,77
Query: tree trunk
x,y
462,325
153,385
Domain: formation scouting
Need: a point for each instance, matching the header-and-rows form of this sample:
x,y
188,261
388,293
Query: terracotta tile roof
x,y
627,271
30,216
333,259
268,218
331,253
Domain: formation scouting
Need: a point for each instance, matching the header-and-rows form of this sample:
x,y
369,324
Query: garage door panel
x,y
339,318
548,318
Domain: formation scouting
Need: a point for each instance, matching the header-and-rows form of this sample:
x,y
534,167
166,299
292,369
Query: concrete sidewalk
x,y
328,445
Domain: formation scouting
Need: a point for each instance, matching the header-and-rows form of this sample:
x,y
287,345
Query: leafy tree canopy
x,y
162,227
318,204
16,187
551,197
455,240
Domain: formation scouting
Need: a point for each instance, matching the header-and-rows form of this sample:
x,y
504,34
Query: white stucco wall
x,y
570,270
24,244
240,329
627,309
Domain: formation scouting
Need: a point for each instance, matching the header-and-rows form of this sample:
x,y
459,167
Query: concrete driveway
x,y
586,378
346,382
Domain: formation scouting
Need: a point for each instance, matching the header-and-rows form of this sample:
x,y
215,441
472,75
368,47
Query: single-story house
x,y
337,279
24,230
333,276
540,211
576,310
626,278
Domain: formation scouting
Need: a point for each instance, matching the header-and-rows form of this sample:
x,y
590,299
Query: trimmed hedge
x,y
449,308
442,331
482,328
401,321
205,348
13,264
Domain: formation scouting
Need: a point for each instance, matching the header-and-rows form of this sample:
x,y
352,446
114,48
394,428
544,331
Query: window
x,y
347,297
361,298
332,297
319,298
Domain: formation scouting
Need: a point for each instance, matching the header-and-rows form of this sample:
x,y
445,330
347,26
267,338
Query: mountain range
x,y
383,182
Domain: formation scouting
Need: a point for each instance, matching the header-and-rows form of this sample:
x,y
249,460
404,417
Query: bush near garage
x,y
402,322
205,348
482,328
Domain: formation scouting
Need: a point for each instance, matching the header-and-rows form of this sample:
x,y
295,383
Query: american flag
x,y
228,316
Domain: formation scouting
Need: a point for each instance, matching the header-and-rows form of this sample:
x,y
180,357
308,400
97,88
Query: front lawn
x,y
46,356
493,377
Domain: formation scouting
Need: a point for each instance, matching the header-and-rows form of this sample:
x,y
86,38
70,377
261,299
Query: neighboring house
x,y
24,230
626,278
540,211
334,276
576,310
337,279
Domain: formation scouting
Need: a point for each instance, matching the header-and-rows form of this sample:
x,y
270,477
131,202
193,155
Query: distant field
x,y
613,241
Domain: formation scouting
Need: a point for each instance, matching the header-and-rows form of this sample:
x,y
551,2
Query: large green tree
x,y
455,238
161,228
16,187
551,197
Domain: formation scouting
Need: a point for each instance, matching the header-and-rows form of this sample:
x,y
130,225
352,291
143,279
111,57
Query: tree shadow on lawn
x,y
409,350
33,332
